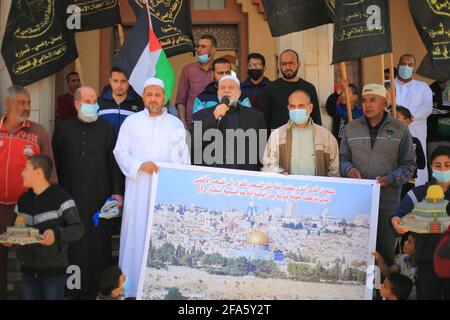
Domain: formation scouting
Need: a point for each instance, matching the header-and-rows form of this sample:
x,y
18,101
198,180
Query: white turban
x,y
153,82
230,77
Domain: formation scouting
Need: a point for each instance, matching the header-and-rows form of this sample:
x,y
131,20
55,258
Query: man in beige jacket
x,y
300,146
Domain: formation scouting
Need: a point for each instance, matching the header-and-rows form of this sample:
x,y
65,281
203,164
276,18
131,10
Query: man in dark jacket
x,y
88,171
379,147
276,94
118,100
239,132
51,210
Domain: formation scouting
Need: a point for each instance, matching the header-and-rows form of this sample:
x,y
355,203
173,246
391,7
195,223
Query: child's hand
x,y
48,237
378,257
396,224
7,244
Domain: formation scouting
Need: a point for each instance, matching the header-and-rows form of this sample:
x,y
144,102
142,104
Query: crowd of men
x,y
106,147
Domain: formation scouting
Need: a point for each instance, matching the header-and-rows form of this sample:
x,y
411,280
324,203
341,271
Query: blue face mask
x,y
298,116
89,109
126,286
405,72
204,58
442,176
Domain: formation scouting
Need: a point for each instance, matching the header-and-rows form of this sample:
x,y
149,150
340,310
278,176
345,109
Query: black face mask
x,y
255,74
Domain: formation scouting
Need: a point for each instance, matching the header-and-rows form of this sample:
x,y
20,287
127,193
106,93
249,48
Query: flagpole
x,y
79,70
391,74
382,68
347,91
121,34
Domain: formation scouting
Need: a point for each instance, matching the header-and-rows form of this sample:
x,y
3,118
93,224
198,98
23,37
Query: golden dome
x,y
20,220
435,192
257,237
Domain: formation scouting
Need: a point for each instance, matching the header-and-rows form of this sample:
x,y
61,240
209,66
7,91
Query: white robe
x,y
418,98
143,138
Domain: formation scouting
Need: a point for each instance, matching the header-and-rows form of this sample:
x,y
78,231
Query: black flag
x,y
84,15
362,29
432,19
171,22
287,16
37,43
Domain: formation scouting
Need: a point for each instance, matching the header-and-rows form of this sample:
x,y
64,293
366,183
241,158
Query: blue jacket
x,y
426,244
114,113
208,98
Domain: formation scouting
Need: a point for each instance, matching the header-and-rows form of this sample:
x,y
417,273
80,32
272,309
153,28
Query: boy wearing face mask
x,y
418,97
253,87
428,285
301,146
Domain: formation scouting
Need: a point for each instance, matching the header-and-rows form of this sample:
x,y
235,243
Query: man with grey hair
x,y
301,146
379,147
239,133
84,159
20,138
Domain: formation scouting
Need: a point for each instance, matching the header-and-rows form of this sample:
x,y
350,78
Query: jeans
x,y
7,217
43,288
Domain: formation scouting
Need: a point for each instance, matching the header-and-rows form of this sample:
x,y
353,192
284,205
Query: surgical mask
x,y
442,176
88,112
298,116
204,58
405,72
126,286
255,74
89,109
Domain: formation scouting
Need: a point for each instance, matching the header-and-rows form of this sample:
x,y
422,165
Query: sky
x,y
176,186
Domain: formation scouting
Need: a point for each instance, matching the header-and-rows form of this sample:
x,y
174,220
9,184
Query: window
x,y
208,4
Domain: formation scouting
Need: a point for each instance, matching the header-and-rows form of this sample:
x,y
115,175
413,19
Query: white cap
x,y
374,88
153,82
230,77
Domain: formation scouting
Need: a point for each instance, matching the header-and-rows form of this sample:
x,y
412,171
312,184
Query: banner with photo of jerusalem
x,y
229,234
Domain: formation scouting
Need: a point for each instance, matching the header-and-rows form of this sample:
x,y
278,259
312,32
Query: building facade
x,y
241,28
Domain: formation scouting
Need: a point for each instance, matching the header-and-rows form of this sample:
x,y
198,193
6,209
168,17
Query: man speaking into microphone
x,y
229,135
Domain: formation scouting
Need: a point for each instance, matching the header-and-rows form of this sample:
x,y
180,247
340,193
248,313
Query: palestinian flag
x,y
142,57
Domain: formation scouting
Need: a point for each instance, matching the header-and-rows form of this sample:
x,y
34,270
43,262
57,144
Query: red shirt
x,y
193,80
15,147
65,107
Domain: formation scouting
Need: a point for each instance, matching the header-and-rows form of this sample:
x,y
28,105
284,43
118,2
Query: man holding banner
x,y
145,137
379,147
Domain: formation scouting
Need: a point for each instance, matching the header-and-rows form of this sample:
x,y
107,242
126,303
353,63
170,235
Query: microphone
x,y
226,101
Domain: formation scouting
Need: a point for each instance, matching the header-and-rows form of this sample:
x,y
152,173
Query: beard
x,y
87,118
288,75
155,109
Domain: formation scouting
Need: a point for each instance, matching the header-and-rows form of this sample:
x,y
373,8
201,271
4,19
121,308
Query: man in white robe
x,y
418,98
145,137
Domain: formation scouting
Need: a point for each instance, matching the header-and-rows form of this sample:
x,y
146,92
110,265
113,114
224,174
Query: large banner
x,y
95,14
36,42
432,20
229,234
362,29
286,16
172,23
